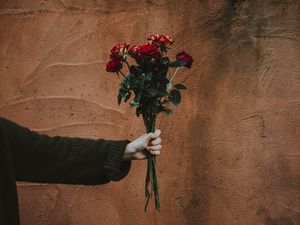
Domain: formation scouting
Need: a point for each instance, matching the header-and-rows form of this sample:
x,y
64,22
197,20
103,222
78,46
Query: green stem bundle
x,y
149,117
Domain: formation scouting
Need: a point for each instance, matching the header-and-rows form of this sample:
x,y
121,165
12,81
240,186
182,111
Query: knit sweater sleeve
x,y
61,159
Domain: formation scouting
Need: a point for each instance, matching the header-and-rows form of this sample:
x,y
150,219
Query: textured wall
x,y
230,151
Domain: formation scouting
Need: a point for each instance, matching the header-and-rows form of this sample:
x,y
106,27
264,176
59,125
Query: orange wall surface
x,y
230,151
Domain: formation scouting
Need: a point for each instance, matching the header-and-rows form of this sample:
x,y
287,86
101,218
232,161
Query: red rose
x,y
133,51
119,50
114,65
183,56
160,39
147,51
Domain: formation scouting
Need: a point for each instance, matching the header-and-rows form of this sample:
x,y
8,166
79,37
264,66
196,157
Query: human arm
x,y
72,160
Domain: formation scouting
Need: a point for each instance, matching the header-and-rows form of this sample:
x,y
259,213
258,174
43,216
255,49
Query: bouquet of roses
x,y
149,77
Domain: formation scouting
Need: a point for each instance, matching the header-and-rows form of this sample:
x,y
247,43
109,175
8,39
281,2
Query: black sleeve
x,y
61,159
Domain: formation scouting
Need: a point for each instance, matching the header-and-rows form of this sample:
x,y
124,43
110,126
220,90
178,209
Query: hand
x,y
138,148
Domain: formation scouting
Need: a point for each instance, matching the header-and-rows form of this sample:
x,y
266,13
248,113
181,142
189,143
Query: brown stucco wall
x,y
231,150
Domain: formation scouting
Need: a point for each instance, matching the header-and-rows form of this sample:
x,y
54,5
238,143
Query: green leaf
x,y
133,103
138,97
167,111
165,101
135,70
127,96
180,86
136,100
175,97
164,110
163,93
119,99
179,63
165,60
141,82
122,94
138,111
148,76
126,81
152,91
130,82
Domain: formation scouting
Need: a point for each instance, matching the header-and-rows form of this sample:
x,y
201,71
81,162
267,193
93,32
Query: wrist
x,y
128,153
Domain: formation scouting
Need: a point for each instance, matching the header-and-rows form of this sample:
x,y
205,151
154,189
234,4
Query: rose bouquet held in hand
x,y
149,77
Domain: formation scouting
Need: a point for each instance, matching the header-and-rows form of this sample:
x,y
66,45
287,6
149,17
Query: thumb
x,y
153,135
158,132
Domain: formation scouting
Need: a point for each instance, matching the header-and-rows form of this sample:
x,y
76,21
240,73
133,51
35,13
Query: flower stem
x,y
149,117
169,73
122,74
175,73
127,64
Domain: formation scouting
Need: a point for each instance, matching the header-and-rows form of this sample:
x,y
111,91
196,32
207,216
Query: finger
x,y
157,131
154,148
155,152
156,141
154,135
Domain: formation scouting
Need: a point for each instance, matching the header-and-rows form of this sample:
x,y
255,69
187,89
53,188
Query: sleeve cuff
x,y
115,168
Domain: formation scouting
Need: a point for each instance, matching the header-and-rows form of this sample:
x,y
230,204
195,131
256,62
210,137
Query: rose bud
x,y
114,65
160,39
183,56
119,50
148,51
153,37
